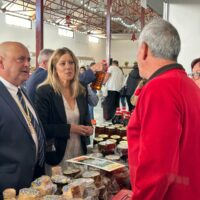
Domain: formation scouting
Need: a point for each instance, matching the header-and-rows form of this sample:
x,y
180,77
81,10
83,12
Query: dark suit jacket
x,y
17,148
35,79
51,110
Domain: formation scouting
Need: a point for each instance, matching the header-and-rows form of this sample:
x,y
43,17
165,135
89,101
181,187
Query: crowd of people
x,y
45,118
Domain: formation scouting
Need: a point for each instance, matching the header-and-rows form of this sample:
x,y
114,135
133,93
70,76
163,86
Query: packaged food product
x,y
116,137
60,181
9,194
53,197
122,131
123,150
71,172
97,140
124,138
107,147
123,142
111,130
73,190
95,175
44,185
112,140
57,170
100,129
103,136
28,194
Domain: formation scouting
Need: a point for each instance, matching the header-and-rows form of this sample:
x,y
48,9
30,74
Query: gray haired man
x,y
40,73
163,136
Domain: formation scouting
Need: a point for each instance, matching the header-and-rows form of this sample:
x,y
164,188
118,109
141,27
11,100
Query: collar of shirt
x,y
11,88
43,68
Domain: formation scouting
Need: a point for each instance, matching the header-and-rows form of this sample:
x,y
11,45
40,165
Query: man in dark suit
x,y
40,73
21,140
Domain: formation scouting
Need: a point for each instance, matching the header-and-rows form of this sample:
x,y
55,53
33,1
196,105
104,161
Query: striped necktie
x,y
37,128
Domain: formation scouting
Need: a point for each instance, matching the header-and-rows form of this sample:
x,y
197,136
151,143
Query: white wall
x,y
185,16
124,50
79,44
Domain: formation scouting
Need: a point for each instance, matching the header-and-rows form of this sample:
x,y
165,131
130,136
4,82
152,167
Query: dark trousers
x,y
123,101
110,104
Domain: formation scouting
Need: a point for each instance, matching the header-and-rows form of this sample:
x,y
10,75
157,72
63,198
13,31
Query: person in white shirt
x,y
114,80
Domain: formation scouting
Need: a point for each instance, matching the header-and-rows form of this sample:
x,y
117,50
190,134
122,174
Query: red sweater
x,y
164,139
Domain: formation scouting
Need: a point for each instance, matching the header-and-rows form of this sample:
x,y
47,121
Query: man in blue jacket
x,y
40,73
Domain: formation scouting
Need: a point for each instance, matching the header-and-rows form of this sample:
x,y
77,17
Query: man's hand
x,y
97,67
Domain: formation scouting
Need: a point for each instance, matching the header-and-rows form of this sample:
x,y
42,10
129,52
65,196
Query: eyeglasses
x,y
195,75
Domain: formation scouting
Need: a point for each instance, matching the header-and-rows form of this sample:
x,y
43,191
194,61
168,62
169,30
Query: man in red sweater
x,y
163,132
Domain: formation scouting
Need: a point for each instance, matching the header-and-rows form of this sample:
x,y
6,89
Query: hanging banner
x,y
143,3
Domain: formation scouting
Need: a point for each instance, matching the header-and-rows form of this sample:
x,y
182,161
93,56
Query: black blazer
x,y
51,111
17,148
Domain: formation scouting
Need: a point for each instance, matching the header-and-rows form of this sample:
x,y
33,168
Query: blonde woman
x,y
63,108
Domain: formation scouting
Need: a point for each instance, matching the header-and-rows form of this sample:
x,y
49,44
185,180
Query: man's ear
x,y
144,50
1,63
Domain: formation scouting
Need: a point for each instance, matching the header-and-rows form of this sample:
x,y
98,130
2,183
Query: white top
x,y
116,79
73,148
12,89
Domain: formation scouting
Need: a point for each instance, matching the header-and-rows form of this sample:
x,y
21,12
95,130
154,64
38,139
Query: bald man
x,y
21,142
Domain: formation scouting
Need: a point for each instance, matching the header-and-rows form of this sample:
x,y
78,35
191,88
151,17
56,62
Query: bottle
x,y
97,84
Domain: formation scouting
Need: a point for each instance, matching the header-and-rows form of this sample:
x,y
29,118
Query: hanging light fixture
x,y
133,37
68,20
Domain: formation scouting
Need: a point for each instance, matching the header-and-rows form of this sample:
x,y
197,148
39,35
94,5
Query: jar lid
x,y
98,139
103,136
112,140
124,138
115,137
123,142
122,146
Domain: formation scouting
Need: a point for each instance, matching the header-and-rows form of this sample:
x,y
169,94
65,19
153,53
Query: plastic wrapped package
x,y
9,194
73,190
71,172
44,185
81,188
56,170
28,194
60,181
53,197
95,175
122,149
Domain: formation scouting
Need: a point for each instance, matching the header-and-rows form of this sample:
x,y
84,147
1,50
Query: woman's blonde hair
x,y
53,79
